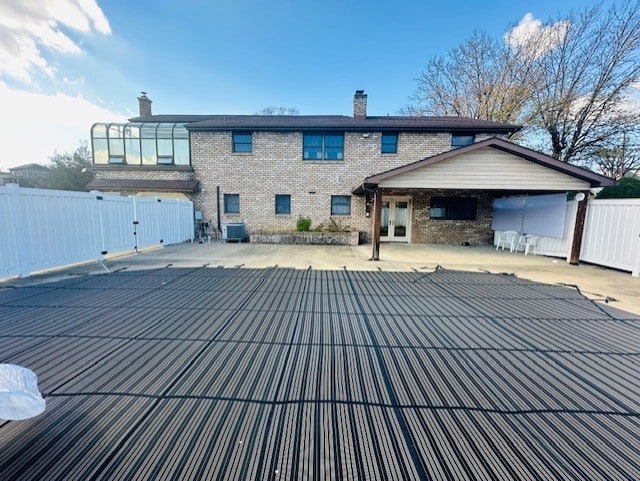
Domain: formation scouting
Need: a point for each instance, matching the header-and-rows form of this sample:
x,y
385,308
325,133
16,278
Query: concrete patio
x,y
617,288
390,370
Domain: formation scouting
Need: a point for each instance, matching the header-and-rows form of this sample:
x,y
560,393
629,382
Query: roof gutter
x,y
363,188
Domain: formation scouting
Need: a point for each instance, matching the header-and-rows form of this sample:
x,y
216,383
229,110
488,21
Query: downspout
x,y
218,207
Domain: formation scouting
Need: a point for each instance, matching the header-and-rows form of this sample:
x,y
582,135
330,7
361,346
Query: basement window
x,y
453,208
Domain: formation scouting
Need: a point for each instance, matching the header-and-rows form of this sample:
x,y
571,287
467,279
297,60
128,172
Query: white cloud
x,y
40,124
530,28
29,27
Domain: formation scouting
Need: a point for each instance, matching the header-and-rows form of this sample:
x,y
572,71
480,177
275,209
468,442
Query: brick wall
x,y
276,167
438,231
143,173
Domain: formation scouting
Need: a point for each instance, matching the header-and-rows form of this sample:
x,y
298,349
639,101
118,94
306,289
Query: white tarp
x,y
542,215
19,395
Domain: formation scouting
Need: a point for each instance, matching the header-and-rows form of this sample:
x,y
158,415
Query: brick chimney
x,y
145,105
360,104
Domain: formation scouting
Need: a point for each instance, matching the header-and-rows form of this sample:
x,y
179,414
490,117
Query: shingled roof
x,y
338,122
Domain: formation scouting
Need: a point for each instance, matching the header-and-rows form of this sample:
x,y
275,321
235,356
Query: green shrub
x,y
626,188
331,226
303,224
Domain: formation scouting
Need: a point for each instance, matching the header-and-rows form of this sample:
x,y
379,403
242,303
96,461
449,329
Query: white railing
x,y
41,229
611,235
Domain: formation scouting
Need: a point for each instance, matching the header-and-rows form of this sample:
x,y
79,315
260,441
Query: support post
x,y
377,216
581,215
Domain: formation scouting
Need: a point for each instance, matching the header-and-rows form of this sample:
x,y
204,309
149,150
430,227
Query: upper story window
x,y
389,143
242,142
462,140
135,143
323,146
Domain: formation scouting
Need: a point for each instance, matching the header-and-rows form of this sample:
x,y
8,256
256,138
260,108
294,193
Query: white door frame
x,y
393,199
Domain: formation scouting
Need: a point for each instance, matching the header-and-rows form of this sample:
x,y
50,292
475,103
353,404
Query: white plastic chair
x,y
508,238
529,242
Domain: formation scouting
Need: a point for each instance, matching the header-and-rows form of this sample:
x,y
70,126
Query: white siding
x,y
486,169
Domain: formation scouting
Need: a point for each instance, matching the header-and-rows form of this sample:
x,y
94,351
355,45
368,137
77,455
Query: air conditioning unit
x,y
233,232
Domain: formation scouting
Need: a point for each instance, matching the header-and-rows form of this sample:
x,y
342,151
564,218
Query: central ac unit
x,y
233,232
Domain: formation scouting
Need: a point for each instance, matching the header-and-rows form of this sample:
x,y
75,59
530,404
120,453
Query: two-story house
x,y
436,177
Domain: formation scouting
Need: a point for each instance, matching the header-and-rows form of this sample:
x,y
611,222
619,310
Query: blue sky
x,y
67,64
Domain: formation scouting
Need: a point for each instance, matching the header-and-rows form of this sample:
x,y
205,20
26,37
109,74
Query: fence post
x,y
22,242
135,221
158,219
98,203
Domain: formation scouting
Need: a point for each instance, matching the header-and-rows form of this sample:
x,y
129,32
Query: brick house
x,y
29,175
434,177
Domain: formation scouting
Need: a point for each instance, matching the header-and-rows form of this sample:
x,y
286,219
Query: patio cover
x,y
490,165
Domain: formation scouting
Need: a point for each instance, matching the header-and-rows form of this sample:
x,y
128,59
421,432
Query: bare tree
x,y
273,110
568,81
581,82
483,78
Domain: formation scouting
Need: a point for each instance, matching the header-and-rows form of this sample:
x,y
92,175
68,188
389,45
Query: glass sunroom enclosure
x,y
148,143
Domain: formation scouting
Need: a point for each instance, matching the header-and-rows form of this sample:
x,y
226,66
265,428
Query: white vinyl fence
x,y
611,235
41,229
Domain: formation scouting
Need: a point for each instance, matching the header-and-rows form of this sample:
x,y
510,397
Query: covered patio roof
x,y
492,164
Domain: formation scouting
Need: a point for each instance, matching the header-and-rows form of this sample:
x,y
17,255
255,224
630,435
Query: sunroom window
x,y
134,144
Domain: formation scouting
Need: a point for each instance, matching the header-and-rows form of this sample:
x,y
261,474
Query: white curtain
x,y
536,214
